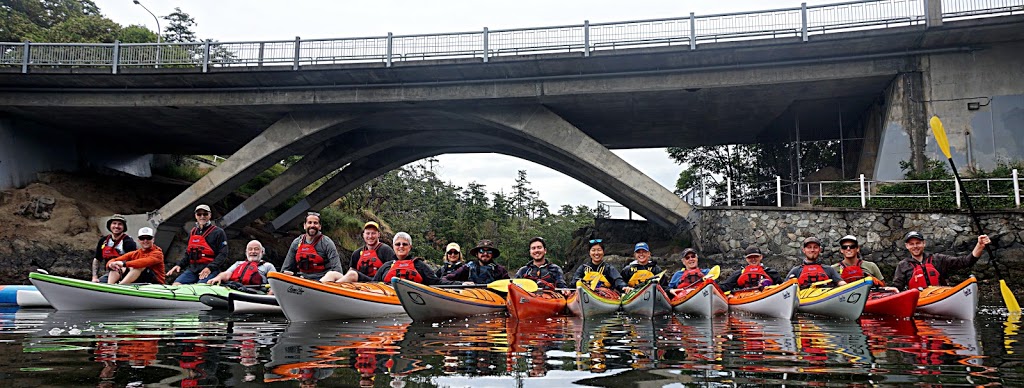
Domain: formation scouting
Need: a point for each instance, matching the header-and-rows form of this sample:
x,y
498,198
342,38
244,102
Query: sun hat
x,y
485,244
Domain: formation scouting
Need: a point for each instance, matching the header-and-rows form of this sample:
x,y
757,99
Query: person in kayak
x,y
312,254
753,275
249,272
143,265
452,260
853,268
690,274
925,269
482,271
365,261
596,272
407,266
642,267
112,245
548,275
206,253
810,270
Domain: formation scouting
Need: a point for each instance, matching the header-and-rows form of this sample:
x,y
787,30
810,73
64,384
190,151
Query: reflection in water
x,y
210,349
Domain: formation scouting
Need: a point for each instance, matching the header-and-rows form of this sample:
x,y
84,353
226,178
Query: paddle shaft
x,y
974,216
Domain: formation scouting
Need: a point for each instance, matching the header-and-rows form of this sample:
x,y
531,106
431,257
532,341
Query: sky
x,y
255,20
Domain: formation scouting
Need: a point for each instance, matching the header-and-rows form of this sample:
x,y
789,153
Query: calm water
x,y
56,348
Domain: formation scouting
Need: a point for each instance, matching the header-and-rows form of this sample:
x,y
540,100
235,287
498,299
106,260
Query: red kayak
x,y
533,305
896,304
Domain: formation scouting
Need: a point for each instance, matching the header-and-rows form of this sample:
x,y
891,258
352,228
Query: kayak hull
x,y
242,303
425,303
304,300
844,302
648,301
524,305
32,299
773,301
893,304
703,299
959,301
587,303
74,294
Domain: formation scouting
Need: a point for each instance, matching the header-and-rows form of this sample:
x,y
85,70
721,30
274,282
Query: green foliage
x,y
179,28
184,171
265,177
136,34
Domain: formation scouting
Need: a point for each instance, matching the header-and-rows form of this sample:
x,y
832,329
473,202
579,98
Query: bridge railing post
x,y
956,186
390,48
693,32
115,60
728,191
25,57
259,61
206,56
863,193
586,38
1016,188
803,21
486,34
933,13
778,191
295,61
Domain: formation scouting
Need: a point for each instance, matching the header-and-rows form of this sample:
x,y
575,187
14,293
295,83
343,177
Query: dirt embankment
x,y
64,243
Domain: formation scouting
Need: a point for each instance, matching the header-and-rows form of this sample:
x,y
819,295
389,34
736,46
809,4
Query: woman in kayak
x,y
596,273
407,266
690,274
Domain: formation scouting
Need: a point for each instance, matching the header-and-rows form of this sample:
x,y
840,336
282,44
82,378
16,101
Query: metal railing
x,y
799,22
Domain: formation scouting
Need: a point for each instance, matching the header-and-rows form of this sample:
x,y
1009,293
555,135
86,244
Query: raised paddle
x,y
943,141
500,285
713,273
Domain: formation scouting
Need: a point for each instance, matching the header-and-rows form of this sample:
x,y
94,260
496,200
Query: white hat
x,y
203,207
147,231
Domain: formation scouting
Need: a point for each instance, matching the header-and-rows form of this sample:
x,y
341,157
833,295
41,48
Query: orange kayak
x,y
533,305
425,303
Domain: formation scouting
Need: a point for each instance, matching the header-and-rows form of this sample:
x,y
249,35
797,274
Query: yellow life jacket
x,y
640,276
594,278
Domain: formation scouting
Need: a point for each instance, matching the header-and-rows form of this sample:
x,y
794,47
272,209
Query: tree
x,y
180,27
136,34
22,20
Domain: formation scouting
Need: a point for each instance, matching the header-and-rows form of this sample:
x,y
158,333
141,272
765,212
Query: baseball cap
x,y
752,250
203,207
689,250
449,248
849,237
811,239
641,245
371,224
913,234
145,232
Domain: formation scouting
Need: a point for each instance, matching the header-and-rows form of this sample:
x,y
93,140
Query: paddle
x,y
943,141
713,273
500,285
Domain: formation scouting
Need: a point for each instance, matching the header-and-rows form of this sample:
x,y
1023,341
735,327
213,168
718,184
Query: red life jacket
x,y
811,273
248,273
307,260
369,262
925,274
691,276
198,250
405,269
110,250
851,273
751,276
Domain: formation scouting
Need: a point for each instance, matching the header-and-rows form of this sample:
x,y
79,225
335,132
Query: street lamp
x,y
157,31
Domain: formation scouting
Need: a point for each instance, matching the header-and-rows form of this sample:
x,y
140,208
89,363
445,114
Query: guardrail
x,y
796,22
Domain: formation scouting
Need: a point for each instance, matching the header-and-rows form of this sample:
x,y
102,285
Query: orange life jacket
x,y
925,274
369,262
110,250
307,260
198,250
751,276
405,269
248,273
811,273
691,276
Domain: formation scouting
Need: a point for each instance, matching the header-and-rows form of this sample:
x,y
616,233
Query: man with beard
x,y
482,271
312,254
249,272
810,271
365,261
206,253
923,270
112,245
548,275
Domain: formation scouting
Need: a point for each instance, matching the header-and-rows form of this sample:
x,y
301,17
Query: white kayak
x,y
845,302
426,303
588,303
648,301
703,299
304,300
959,301
243,303
778,301
31,299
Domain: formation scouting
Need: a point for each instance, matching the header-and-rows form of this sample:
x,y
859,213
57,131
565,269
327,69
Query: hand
x,y
173,270
204,273
289,273
893,289
983,240
95,279
468,283
215,281
627,289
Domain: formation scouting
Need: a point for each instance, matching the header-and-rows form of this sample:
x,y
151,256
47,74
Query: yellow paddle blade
x,y
1008,298
713,273
821,283
940,135
502,284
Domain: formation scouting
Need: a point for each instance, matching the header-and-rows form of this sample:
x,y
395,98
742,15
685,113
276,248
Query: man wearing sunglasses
x,y
810,270
452,260
852,267
206,253
482,271
144,265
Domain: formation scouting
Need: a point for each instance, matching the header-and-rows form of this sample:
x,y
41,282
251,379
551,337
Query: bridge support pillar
x,y
933,13
904,127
